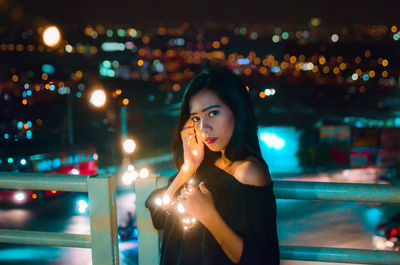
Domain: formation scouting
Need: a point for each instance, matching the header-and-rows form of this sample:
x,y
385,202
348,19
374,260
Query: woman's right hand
x,y
193,155
193,148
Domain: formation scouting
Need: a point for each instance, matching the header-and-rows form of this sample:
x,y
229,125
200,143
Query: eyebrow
x,y
207,108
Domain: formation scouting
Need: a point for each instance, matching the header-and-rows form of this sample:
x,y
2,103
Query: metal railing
x,y
148,237
103,238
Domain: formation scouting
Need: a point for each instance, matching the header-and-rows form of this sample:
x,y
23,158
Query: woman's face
x,y
213,120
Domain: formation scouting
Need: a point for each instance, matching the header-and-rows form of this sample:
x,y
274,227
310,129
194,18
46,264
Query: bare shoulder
x,y
252,172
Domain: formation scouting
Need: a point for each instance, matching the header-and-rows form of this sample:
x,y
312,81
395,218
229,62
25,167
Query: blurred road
x,y
310,223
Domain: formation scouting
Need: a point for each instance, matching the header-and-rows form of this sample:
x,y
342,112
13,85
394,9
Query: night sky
x,y
150,13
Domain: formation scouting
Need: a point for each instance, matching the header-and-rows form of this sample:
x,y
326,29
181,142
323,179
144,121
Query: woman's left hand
x,y
198,203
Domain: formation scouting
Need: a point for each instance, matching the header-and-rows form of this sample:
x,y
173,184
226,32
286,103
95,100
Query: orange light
x,y
24,101
257,60
142,52
248,88
34,196
140,62
216,44
15,78
118,91
26,126
146,39
176,87
247,71
45,76
125,101
53,191
47,86
78,74
224,40
262,94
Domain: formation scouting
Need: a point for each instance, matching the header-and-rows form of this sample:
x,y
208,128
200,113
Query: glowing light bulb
x,y
195,153
159,201
193,220
180,208
185,167
166,199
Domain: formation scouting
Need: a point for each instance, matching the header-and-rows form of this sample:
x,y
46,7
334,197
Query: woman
x,y
216,148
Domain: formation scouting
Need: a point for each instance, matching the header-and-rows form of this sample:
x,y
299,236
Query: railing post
x,y
148,253
103,219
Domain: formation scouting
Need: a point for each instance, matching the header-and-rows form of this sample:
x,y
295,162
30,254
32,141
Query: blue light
x,y
366,77
56,162
29,124
29,93
78,94
243,61
48,69
28,134
20,125
6,136
278,148
23,161
52,87
24,94
275,69
10,160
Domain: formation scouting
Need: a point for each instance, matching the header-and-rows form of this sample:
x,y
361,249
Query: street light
x,y
51,36
98,98
129,145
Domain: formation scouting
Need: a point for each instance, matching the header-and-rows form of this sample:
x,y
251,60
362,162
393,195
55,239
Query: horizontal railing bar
x,y
340,255
45,238
304,190
41,181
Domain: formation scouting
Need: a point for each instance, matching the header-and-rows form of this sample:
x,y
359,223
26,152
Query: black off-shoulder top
x,y
248,210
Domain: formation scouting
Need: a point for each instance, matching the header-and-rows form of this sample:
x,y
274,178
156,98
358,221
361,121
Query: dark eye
x,y
213,113
195,119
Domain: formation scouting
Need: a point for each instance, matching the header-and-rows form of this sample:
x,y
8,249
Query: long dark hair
x,y
232,92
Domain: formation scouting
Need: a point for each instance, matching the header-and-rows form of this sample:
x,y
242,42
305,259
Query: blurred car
x,y
387,234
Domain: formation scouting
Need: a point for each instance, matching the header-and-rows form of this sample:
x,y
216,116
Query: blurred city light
x,y
144,173
19,196
129,145
82,206
98,98
51,36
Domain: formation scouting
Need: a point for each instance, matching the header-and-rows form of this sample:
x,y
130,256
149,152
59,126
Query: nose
x,y
204,126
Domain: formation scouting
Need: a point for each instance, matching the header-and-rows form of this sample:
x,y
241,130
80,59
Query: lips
x,y
210,140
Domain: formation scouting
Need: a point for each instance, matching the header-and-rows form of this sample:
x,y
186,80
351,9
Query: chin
x,y
215,149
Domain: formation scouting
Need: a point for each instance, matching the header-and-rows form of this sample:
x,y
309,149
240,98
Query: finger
x,y
188,123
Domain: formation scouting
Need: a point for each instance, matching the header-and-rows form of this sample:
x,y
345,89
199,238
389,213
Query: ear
x,y
203,188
